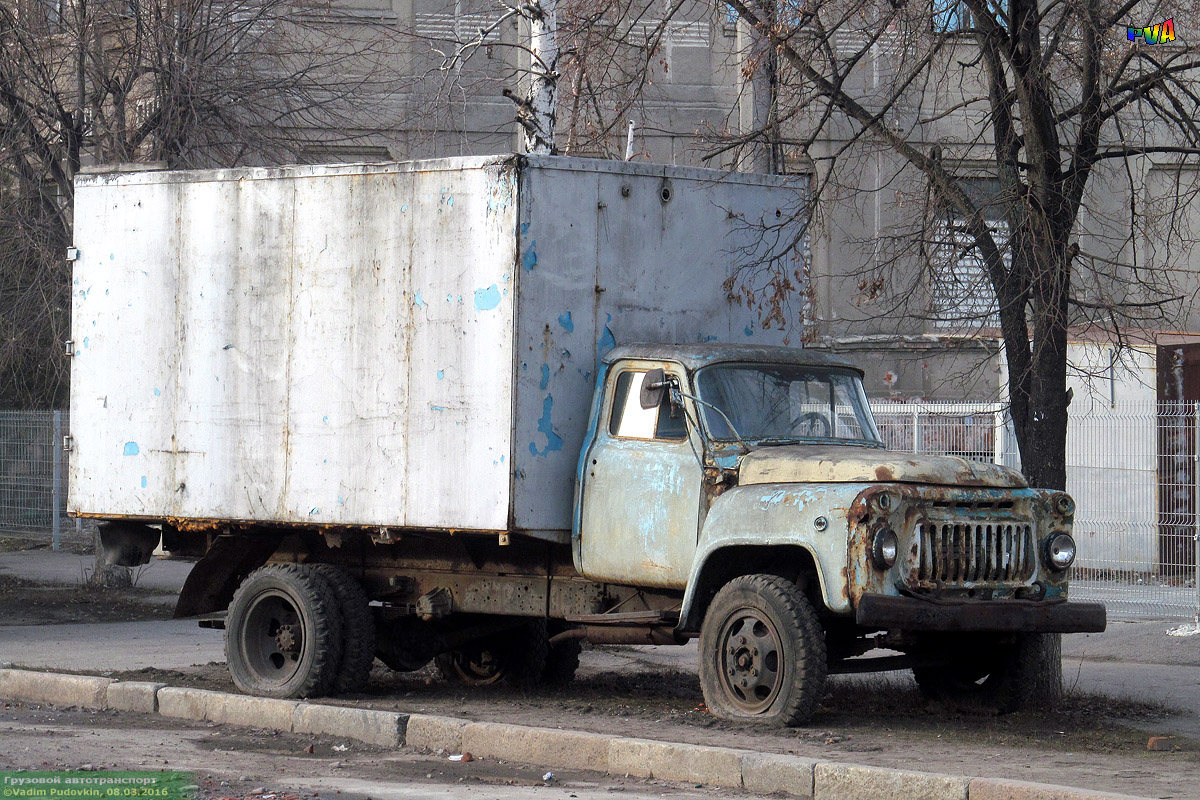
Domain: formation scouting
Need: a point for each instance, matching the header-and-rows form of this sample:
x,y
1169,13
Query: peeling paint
x,y
157,392
143,481
774,497
418,301
131,449
545,426
545,377
441,374
606,342
749,331
564,320
529,257
487,299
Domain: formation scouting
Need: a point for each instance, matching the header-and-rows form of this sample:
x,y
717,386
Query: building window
x,y
962,293
950,16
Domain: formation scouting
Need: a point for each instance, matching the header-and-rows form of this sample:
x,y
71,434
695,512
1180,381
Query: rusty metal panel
x,y
328,345
616,253
834,463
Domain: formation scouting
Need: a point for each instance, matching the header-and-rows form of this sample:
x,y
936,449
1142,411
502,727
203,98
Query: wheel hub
x,y
753,656
286,640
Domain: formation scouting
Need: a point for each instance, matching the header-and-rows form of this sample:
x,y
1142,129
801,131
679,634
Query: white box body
x,y
397,345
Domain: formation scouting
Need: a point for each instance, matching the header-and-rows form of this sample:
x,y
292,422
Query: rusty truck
x,y
479,411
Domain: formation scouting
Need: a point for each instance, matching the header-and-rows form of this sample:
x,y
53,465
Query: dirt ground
x,y
24,602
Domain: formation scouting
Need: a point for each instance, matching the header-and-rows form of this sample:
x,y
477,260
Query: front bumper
x,y
1000,616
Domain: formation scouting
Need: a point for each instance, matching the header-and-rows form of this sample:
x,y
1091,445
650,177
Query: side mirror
x,y
654,386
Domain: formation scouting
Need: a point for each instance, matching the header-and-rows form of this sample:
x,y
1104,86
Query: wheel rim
x,y
273,638
478,666
752,661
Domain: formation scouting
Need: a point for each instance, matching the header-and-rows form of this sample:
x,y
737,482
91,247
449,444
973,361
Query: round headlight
x,y
1060,550
884,548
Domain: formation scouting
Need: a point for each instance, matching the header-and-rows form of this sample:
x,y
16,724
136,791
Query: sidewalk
x,y
51,567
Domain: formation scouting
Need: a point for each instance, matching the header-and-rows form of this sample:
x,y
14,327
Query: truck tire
x,y
1005,678
283,633
358,629
562,658
406,644
762,652
515,657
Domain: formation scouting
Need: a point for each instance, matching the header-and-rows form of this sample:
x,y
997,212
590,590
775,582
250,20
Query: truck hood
x,y
840,464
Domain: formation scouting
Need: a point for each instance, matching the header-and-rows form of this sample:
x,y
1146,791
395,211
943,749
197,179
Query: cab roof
x,y
694,356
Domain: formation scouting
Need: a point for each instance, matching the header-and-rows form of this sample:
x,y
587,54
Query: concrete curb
x,y
545,747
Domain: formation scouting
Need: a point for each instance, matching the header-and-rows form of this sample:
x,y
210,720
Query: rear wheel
x,y
406,644
358,629
283,633
516,657
562,658
762,652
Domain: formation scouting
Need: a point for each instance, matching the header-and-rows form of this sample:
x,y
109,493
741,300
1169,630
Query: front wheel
x,y
762,652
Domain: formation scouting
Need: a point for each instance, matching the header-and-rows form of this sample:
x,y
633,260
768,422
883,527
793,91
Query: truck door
x,y
641,488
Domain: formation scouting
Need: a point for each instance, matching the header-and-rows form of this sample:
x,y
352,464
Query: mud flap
x,y
211,583
128,544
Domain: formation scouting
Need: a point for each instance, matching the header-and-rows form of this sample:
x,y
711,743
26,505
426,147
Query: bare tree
x,y
1016,134
191,83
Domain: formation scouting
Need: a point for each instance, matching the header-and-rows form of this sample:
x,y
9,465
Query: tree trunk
x,y
543,78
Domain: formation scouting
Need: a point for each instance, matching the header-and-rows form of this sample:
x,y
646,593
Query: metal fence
x,y
1133,474
33,478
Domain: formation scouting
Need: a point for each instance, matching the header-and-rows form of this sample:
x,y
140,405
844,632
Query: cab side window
x,y
630,421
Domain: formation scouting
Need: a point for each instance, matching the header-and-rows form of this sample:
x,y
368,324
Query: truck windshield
x,y
782,403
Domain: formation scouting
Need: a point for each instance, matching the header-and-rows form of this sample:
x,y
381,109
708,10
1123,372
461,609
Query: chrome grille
x,y
976,552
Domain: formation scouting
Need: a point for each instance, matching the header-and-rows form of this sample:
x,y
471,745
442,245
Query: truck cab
x,y
754,481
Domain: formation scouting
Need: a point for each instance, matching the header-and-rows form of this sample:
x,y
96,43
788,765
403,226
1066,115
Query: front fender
x,y
776,515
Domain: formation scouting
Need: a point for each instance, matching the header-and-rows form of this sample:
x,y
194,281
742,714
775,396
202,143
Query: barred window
x,y
962,293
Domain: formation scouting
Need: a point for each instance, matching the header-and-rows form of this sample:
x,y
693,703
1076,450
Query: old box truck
x,y
480,410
